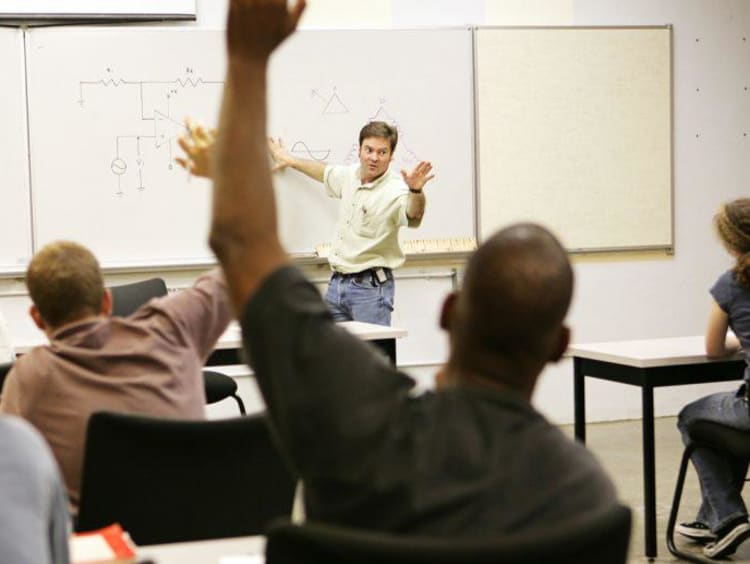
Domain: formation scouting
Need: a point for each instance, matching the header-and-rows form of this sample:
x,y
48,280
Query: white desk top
x,y
232,337
239,550
649,353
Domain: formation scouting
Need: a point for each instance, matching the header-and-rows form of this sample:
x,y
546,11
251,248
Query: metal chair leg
x,y
690,557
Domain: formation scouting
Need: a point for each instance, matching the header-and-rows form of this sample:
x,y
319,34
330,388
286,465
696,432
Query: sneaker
x,y
696,531
727,543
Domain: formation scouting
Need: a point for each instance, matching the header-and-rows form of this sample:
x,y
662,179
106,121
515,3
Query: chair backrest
x,y
129,297
170,480
597,538
4,369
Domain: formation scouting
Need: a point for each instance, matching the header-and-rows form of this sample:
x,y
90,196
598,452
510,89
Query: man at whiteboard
x,y
375,203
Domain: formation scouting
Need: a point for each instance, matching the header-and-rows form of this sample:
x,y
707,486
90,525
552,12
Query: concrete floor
x,y
618,446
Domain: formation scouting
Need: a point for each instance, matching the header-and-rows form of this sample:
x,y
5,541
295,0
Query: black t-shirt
x,y
464,461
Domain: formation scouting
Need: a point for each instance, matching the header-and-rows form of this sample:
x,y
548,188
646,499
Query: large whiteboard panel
x,y
575,132
107,105
105,109
325,85
15,227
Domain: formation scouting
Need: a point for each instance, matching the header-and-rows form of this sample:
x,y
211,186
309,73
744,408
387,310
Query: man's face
x,y
374,157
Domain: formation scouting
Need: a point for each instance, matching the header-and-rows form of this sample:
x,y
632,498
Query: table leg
x,y
649,470
388,346
579,400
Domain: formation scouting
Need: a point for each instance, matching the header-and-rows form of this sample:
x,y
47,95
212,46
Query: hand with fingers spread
x,y
198,146
279,154
417,178
256,27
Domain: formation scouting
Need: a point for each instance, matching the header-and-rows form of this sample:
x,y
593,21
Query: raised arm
x,y
416,202
244,230
284,159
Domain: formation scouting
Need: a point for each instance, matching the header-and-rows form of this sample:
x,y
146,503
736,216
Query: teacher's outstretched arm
x,y
243,228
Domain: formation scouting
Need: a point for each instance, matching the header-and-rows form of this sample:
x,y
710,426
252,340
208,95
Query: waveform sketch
x,y
301,148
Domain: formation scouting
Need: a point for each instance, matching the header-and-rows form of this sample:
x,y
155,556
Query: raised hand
x,y
417,178
256,27
198,146
279,154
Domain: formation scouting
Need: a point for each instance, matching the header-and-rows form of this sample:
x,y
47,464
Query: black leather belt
x,y
369,274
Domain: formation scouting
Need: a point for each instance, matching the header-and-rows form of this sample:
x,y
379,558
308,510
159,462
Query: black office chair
x,y
706,434
170,480
220,386
598,538
129,297
4,369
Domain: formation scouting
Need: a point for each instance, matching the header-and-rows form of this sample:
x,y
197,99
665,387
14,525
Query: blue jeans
x,y
721,476
361,297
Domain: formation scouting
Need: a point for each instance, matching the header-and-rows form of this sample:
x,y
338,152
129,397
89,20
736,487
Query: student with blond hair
x,y
150,362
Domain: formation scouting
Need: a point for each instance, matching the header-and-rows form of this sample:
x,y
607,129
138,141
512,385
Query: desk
x,y
227,350
649,364
217,551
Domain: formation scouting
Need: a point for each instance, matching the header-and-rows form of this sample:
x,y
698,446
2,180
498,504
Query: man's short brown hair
x,y
65,283
379,129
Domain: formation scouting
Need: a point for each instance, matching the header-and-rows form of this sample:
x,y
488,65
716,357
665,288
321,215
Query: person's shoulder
x,y
15,431
29,362
726,286
726,278
349,169
277,285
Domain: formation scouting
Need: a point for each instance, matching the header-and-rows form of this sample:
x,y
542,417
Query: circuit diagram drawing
x,y
157,126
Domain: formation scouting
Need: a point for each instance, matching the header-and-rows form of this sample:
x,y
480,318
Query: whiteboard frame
x,y
668,248
69,11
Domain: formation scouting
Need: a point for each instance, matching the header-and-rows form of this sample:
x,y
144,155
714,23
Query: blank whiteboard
x,y
574,131
15,226
106,107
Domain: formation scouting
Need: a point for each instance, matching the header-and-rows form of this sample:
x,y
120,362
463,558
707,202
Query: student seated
x,y
722,521
34,523
150,362
474,458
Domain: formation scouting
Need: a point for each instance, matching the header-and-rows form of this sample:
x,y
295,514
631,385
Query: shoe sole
x,y
702,536
698,538
728,543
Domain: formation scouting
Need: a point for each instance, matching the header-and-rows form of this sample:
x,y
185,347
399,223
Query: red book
x,y
109,545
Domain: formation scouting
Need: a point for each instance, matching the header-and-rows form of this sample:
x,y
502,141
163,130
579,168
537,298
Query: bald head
x,y
510,311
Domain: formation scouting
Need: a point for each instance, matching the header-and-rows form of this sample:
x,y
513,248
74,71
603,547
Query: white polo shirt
x,y
369,219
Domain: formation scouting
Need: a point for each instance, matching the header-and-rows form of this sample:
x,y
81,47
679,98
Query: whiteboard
x,y
106,107
574,131
15,227
30,10
325,85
